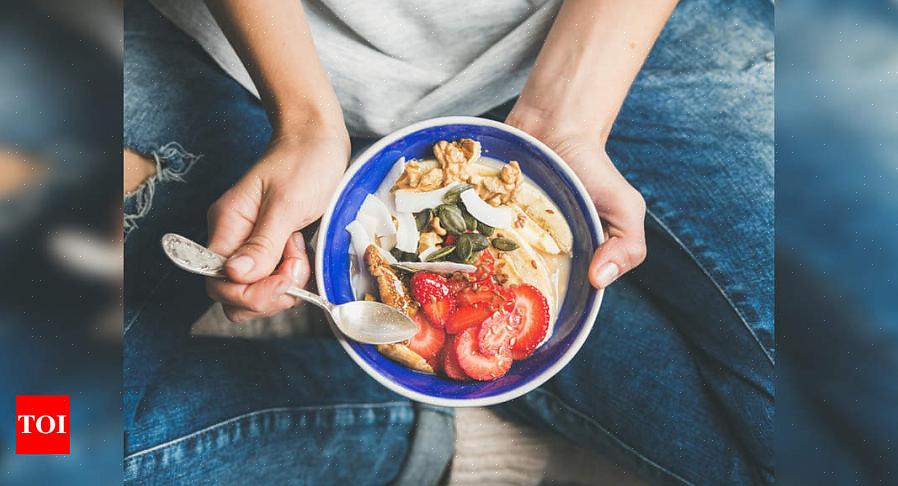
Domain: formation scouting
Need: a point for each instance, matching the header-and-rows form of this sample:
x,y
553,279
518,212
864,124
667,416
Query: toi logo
x,y
42,424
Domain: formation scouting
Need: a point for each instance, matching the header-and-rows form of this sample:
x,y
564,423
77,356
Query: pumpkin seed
x,y
463,247
441,253
403,268
478,241
485,229
453,195
422,219
451,218
470,221
403,256
504,244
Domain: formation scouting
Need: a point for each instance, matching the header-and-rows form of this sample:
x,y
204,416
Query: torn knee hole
x,y
138,169
169,163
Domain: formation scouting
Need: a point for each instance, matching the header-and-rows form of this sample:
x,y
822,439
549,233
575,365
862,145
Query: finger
x,y
296,261
624,248
229,227
614,258
263,298
259,255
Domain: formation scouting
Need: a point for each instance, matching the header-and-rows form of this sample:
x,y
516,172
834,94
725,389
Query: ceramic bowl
x,y
581,304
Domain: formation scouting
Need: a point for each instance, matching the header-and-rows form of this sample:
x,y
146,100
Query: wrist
x,y
556,127
308,120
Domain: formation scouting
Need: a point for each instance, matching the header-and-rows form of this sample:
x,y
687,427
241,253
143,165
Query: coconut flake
x,y
385,191
501,217
359,236
360,278
407,232
388,257
387,242
441,267
413,201
377,211
427,252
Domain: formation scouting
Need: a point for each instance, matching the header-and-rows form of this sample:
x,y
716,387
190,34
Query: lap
x,y
292,411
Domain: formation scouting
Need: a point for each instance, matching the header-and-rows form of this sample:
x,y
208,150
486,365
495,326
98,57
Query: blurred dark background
x,y
60,226
837,236
837,241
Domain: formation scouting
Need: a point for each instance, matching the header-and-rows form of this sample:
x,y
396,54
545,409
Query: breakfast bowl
x,y
576,309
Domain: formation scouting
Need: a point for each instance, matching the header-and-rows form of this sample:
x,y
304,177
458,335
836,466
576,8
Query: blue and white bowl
x,y
545,168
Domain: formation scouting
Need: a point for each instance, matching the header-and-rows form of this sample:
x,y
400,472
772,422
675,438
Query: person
x,y
253,109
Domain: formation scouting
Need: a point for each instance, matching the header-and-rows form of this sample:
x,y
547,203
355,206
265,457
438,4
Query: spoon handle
x,y
309,297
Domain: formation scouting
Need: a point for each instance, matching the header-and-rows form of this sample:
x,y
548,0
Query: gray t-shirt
x,y
394,62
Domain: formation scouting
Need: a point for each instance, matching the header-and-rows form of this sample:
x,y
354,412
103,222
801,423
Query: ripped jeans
x,y
674,383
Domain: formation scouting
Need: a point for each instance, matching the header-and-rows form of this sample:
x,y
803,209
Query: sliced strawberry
x,y
498,332
431,290
487,293
467,316
450,364
457,284
476,364
533,309
429,339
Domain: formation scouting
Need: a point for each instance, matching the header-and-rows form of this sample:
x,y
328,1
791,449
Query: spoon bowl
x,y
363,321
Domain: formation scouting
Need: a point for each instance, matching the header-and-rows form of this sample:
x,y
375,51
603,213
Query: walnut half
x,y
454,158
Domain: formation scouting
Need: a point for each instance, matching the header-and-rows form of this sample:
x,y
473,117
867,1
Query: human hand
x,y
256,223
620,206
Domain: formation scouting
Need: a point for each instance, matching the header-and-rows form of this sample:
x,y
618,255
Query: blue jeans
x,y
676,381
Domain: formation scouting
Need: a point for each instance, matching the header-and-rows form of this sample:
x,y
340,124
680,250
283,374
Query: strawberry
x,y
487,293
431,290
429,339
476,364
450,364
467,316
531,306
498,333
456,285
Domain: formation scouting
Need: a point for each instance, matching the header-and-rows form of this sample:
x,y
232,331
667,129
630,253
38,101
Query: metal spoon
x,y
364,321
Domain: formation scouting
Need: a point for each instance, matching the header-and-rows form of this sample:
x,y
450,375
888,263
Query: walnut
x,y
501,188
454,158
428,239
421,176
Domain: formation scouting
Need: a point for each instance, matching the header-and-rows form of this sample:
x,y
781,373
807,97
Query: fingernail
x,y
607,274
299,242
241,264
298,272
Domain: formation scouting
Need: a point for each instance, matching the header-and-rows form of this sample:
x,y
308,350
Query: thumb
x,y
259,255
615,257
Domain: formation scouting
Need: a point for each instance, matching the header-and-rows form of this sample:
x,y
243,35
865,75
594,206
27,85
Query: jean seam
x,y
714,281
256,413
609,434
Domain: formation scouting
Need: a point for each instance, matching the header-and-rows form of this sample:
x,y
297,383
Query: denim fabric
x,y
676,381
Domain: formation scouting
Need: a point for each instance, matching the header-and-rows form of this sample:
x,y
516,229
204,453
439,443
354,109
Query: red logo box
x,y
42,424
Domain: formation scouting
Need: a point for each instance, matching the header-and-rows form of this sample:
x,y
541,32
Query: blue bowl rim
x,y
579,191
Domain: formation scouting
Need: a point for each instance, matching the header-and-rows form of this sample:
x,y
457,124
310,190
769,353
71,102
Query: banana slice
x,y
545,214
525,265
403,355
533,233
